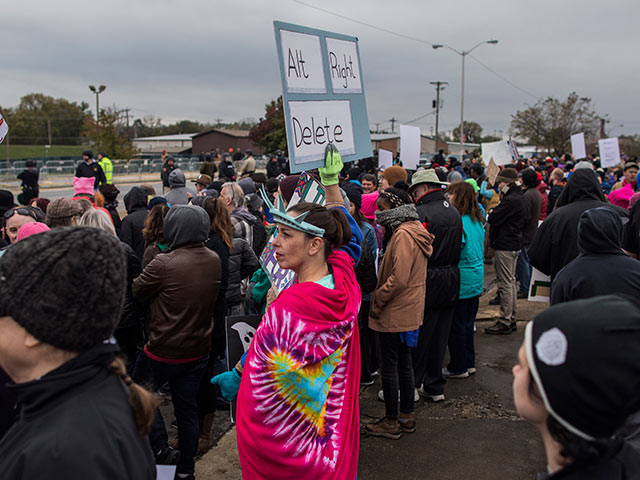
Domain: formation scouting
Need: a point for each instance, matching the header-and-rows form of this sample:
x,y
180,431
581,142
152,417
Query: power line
x,y
504,79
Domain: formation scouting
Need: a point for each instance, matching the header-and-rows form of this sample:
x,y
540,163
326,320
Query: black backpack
x,y
366,269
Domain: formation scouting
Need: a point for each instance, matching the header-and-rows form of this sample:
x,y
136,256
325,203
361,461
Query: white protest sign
x,y
609,152
317,123
165,472
302,59
343,65
409,146
540,287
501,152
385,159
4,128
577,146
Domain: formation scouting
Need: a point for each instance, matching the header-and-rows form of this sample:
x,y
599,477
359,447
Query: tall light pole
x,y
463,54
97,91
439,86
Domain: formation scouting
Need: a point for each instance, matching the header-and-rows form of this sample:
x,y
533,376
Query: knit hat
x,y
31,228
63,208
394,174
354,193
157,201
248,186
508,175
584,357
64,286
83,185
6,200
288,186
109,191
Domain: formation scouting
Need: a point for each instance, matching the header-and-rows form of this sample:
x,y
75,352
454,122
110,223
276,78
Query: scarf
x,y
391,219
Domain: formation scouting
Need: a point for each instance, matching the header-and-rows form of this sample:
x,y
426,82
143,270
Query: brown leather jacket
x,y
397,303
183,286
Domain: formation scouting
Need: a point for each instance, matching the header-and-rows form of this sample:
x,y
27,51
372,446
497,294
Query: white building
x,y
176,143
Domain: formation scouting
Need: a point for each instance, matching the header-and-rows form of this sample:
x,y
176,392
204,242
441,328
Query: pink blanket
x,y
298,413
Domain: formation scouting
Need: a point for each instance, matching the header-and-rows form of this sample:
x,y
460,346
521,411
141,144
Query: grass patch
x,y
17,152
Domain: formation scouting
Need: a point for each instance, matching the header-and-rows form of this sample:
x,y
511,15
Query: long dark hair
x,y
465,201
220,220
337,231
153,230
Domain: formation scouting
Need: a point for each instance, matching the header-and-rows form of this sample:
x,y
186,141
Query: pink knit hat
x,y
83,185
31,228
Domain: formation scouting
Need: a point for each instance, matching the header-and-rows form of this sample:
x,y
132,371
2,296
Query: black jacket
x,y
166,170
555,243
242,263
131,228
443,276
131,315
554,193
112,208
533,202
76,423
226,170
602,268
273,168
92,169
631,237
216,244
507,221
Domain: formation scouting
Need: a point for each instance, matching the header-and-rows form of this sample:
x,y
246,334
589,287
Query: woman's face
x,y
383,204
384,184
529,408
294,248
452,198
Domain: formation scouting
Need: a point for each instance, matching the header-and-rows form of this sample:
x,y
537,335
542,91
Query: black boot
x,y
499,328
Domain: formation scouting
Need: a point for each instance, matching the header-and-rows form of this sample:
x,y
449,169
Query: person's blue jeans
x,y
184,381
523,269
462,354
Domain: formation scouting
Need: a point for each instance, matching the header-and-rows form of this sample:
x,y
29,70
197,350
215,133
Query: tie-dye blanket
x,y
298,411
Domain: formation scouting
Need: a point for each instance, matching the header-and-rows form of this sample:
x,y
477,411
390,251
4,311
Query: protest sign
x,y
609,152
240,332
492,171
501,152
409,146
540,287
4,128
323,95
385,159
578,148
165,472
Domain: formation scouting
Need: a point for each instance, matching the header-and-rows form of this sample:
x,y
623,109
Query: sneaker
x,y
384,428
407,422
471,371
448,374
167,456
375,374
428,396
495,300
500,328
416,395
523,296
367,383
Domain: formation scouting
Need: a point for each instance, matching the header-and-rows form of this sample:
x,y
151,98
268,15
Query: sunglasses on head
x,y
27,212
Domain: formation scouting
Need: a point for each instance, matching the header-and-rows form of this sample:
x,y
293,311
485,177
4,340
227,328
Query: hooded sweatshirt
x,y
135,201
555,243
602,267
178,193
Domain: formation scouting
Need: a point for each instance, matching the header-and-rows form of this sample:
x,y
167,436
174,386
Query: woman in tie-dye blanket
x,y
297,411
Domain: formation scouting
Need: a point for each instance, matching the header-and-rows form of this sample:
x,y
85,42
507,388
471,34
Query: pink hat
x,y
31,228
83,185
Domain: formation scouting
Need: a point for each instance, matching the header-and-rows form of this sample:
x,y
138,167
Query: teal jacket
x,y
471,258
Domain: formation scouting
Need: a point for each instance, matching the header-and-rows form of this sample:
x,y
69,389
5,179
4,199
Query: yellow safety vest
x,y
107,167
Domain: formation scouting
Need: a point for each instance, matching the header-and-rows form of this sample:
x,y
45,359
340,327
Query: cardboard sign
x,y
492,171
4,128
578,148
540,287
385,159
240,332
609,152
323,95
501,152
409,147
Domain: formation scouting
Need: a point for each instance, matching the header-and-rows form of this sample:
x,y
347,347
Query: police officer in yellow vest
x,y
106,165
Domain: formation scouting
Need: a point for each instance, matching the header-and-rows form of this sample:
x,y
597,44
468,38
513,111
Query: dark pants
x,y
128,340
462,354
429,355
397,372
523,269
369,345
184,380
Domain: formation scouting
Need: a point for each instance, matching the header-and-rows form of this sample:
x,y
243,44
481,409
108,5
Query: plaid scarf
x,y
391,219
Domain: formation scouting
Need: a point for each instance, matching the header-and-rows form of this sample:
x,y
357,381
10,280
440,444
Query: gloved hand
x,y
332,166
229,383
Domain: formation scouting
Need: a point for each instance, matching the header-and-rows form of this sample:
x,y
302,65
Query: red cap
x,y
539,176
230,150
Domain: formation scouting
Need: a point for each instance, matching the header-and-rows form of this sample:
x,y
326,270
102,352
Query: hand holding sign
x,y
332,166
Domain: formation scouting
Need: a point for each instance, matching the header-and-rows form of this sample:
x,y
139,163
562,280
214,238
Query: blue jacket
x,y
471,258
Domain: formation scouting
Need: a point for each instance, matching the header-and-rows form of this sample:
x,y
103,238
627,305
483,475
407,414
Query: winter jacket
x,y
443,220
131,228
208,168
76,423
92,169
178,195
555,243
273,169
250,228
631,238
544,208
112,208
151,251
248,166
602,268
130,314
397,303
242,263
166,171
183,285
471,264
226,170
554,193
215,243
533,203
507,221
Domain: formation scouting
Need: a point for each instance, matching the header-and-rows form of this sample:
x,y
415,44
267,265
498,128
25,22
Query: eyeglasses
x,y
27,212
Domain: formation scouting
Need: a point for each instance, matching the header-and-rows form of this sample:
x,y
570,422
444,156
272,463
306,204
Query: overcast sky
x,y
203,60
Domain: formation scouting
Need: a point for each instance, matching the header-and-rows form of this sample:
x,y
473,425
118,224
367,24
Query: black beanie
x,y
64,286
354,193
584,356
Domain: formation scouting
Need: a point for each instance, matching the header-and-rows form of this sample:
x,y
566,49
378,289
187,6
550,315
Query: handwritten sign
x,y
385,159
609,152
343,65
501,152
577,146
302,58
4,128
409,146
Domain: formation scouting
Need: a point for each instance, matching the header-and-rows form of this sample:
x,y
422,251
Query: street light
x,y
463,54
97,91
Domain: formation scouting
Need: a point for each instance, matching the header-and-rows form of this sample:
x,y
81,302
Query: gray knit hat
x,y
65,286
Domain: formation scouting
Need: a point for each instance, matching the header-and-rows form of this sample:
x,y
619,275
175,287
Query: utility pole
x,y
439,86
126,111
393,124
377,127
218,122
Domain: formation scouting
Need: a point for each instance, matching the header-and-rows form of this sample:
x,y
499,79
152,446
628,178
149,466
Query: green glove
x,y
229,383
332,166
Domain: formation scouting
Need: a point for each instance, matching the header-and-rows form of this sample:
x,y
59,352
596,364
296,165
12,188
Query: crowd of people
x,y
104,311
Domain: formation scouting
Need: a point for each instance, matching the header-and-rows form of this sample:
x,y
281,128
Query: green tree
x,y
489,139
550,122
472,132
270,132
110,134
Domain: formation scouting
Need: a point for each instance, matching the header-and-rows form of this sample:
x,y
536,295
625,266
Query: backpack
x,y
366,269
